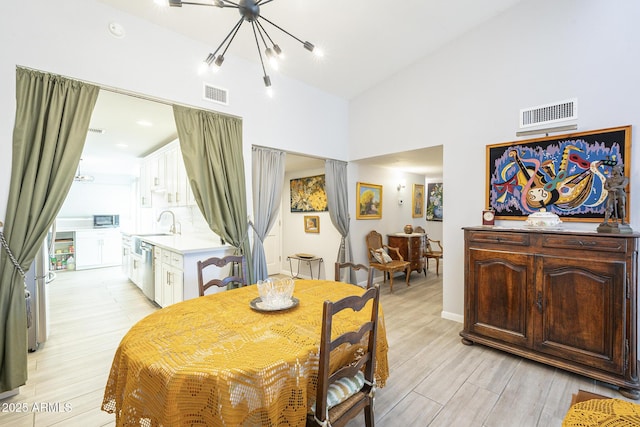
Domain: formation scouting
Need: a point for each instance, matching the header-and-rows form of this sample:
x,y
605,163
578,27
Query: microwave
x,y
104,221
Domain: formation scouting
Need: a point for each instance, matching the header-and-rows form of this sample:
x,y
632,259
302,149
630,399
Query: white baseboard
x,y
452,316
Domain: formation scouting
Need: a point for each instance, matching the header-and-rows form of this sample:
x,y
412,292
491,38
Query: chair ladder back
x,y
366,360
235,261
340,266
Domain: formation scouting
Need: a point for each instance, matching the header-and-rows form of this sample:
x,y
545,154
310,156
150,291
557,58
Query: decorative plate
x,y
257,305
305,256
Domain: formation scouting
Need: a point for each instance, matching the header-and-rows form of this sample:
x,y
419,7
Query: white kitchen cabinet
x,y
98,248
144,185
171,278
165,176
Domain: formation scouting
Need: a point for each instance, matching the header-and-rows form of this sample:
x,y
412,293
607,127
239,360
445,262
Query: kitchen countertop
x,y
186,243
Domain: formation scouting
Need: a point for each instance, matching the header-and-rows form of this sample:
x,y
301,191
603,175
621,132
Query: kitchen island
x,y
173,265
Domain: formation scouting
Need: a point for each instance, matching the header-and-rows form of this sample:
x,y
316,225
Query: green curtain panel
x,y
51,123
211,146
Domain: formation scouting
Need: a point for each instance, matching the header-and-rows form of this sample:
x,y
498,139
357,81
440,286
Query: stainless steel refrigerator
x,y
38,279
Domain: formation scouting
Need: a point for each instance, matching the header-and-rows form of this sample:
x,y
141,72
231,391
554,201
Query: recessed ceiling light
x,y
116,30
121,145
144,123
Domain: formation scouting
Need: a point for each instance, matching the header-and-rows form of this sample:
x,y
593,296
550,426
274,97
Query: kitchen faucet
x,y
172,229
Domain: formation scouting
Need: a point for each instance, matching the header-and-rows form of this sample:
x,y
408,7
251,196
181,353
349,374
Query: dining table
x,y
225,360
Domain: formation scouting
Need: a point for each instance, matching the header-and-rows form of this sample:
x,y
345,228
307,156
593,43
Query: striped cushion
x,y
342,389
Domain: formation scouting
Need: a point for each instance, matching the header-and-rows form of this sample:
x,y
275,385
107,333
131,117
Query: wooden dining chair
x,y
341,395
431,253
349,266
237,274
381,260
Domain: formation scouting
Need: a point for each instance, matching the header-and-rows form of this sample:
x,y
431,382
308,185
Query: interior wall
x,y
324,244
468,95
71,38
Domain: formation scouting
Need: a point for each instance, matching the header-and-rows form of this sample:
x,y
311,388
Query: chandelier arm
x,y
281,29
255,35
260,31
228,3
263,2
233,31
236,28
191,3
265,32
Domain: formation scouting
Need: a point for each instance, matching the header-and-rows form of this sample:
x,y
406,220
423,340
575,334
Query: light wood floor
x,y
434,379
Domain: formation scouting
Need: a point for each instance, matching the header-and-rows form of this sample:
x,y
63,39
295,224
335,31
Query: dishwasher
x,y
148,288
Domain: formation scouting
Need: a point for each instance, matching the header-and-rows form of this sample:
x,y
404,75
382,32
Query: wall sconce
x,y
401,185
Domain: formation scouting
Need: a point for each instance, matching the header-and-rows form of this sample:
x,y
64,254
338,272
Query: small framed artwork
x,y
417,204
311,224
434,202
368,201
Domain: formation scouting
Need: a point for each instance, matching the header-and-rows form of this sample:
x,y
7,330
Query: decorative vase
x,y
408,229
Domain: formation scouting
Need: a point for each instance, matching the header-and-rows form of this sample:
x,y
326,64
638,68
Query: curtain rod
x,y
131,93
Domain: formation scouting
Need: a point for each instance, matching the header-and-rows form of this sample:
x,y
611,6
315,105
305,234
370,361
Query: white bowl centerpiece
x,y
543,219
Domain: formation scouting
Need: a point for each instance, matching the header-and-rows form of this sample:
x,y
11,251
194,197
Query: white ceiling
x,y
364,42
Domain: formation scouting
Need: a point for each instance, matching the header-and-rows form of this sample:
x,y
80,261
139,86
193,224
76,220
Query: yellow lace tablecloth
x,y
603,413
214,361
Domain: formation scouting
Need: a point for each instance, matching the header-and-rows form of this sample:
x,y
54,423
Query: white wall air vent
x,y
96,130
557,112
216,94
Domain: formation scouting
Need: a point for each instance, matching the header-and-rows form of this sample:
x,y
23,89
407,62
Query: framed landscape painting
x,y
368,201
563,174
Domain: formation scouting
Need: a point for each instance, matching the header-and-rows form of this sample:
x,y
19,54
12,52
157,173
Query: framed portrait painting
x,y
563,174
417,201
368,201
311,224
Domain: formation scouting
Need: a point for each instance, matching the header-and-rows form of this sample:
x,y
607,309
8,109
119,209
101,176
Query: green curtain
x,y
211,146
52,118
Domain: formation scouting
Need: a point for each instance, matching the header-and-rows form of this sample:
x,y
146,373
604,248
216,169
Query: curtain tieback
x,y
16,264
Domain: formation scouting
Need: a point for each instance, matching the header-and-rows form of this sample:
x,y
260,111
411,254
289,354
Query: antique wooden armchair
x,y
381,260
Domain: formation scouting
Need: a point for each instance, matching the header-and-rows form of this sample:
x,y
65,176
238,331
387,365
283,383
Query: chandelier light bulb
x,y
249,12
271,56
206,63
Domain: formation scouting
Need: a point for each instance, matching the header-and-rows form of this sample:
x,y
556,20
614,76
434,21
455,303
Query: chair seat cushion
x,y
381,256
342,389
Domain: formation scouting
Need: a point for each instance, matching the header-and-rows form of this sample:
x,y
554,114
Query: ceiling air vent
x,y
556,112
216,94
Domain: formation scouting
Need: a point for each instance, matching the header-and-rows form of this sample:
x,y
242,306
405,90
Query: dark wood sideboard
x,y
412,247
563,298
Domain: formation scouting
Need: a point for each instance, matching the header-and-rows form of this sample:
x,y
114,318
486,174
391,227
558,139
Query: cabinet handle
x,y
539,302
177,197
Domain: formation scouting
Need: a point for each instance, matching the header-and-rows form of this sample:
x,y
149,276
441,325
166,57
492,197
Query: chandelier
x,y
249,12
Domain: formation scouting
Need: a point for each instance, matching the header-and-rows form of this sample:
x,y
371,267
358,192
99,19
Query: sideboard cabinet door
x,y
582,312
500,306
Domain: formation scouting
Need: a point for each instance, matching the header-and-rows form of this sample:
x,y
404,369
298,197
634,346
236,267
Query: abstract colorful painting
x,y
564,175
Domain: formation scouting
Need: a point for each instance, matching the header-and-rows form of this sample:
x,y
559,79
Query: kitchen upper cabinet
x,y
166,177
98,248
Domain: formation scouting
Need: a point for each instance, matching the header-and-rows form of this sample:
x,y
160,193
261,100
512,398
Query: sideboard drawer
x,y
585,243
